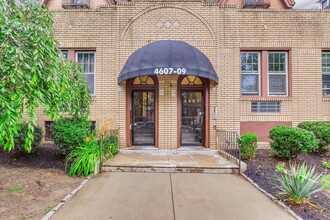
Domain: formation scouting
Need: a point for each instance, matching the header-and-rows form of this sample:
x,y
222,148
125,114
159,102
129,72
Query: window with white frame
x,y
326,73
250,73
277,73
87,62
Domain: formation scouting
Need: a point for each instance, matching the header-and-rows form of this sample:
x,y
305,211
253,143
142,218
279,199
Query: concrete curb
x,y
66,199
273,198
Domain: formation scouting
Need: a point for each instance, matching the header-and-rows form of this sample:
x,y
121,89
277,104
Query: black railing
x,y
256,3
229,146
75,3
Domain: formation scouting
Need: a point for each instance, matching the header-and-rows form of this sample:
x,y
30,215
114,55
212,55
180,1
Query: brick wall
x,y
219,32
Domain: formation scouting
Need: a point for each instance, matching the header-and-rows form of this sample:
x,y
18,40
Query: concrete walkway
x,y
165,196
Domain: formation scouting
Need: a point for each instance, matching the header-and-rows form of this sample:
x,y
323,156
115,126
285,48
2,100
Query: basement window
x,y
268,107
48,134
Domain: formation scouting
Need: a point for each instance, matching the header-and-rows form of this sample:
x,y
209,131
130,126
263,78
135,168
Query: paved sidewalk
x,y
164,196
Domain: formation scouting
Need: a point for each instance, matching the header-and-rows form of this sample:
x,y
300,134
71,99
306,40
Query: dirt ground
x,y
262,171
31,184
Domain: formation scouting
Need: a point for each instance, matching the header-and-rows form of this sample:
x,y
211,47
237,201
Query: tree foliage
x,y
33,73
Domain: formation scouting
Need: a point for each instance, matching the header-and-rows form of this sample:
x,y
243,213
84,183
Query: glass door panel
x,y
143,117
192,118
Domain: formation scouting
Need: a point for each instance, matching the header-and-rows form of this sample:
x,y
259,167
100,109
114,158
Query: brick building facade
x,y
272,64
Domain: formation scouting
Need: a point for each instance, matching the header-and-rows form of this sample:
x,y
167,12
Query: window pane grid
x,y
326,73
87,62
326,63
277,63
271,107
277,73
250,73
250,63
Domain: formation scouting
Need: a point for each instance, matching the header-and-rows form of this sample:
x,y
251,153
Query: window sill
x,y
266,113
269,98
326,98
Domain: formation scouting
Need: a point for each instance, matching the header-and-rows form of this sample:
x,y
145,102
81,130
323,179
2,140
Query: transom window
x,y
326,73
277,73
250,70
143,80
87,62
191,81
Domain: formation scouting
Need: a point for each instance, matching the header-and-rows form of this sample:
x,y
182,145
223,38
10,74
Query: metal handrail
x,y
229,146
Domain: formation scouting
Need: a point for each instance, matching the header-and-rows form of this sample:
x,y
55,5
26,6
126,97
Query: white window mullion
x,y
277,74
90,76
250,73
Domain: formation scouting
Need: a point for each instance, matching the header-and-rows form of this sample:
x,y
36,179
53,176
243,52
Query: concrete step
x,y
166,169
169,161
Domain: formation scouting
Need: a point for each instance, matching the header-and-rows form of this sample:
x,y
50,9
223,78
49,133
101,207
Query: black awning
x,y
168,57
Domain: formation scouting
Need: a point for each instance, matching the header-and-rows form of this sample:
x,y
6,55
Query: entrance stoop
x,y
171,161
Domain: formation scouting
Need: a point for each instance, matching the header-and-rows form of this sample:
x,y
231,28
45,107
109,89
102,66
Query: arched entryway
x,y
164,60
193,108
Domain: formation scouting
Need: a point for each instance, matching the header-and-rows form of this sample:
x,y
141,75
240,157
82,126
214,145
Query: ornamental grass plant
x,y
88,156
298,183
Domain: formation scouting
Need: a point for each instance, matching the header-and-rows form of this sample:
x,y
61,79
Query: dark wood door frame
x,y
183,90
206,93
132,110
129,89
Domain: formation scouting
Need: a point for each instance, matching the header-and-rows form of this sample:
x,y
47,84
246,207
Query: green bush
x,y
19,139
298,183
325,181
86,157
326,165
321,131
248,146
69,133
288,142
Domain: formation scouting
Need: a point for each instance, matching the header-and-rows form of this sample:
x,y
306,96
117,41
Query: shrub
x,y
288,142
86,157
248,146
20,138
280,167
321,130
326,165
298,183
325,181
69,133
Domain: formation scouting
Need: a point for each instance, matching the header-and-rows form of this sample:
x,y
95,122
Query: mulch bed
x,y
42,179
262,171
46,157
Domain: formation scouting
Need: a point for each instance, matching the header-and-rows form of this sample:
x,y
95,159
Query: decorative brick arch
x,y
190,11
